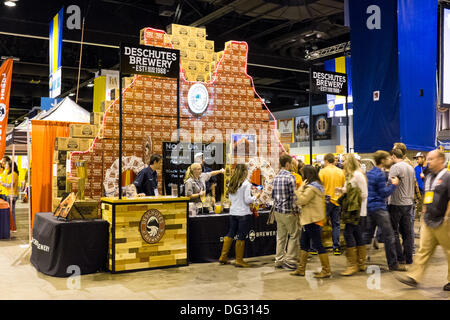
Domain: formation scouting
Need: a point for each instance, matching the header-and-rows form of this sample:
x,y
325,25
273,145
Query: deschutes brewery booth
x,y
210,101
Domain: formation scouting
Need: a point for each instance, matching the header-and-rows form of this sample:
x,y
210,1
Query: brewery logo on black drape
x,y
322,127
151,61
152,226
329,82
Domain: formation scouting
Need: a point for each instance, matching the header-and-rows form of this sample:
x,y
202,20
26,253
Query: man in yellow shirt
x,y
332,177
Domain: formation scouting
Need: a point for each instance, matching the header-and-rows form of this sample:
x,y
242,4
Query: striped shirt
x,y
283,192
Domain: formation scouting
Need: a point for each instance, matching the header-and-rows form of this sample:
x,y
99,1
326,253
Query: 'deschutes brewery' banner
x,y
151,61
329,82
5,89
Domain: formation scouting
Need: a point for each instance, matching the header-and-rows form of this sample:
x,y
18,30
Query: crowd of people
x,y
387,197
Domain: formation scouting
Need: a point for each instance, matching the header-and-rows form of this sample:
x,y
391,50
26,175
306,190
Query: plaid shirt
x,y
283,192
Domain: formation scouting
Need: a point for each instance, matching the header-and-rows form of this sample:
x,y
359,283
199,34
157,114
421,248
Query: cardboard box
x,y
126,82
192,44
105,105
198,33
201,55
178,29
67,144
85,144
83,130
97,118
209,45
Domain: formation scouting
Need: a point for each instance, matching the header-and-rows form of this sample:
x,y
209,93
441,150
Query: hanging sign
x,y
55,50
5,90
150,61
329,82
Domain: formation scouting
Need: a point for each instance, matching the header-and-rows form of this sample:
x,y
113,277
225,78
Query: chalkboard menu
x,y
177,157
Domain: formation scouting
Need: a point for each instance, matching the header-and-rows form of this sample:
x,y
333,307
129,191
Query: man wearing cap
x,y
211,183
421,171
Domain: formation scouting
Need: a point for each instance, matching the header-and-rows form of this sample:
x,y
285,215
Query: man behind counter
x,y
147,179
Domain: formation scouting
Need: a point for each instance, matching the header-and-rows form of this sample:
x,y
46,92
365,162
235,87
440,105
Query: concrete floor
x,y
211,281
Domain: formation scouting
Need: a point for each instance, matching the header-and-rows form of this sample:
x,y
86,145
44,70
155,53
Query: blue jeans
x,y
240,226
334,212
381,219
312,233
401,223
353,235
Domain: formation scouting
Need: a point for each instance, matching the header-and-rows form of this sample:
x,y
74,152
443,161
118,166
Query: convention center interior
x,y
210,150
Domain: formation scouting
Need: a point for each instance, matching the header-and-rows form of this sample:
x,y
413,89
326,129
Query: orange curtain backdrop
x,y
43,134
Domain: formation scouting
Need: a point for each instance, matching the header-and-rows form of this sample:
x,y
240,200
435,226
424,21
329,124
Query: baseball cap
x,y
419,154
198,155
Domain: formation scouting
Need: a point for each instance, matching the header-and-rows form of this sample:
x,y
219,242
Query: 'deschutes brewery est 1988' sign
x,y
329,82
151,61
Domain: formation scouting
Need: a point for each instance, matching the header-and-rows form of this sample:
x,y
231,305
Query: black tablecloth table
x,y
206,234
58,244
4,224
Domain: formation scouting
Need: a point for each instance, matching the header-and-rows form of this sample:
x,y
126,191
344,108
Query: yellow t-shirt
x,y
298,179
3,180
332,177
15,185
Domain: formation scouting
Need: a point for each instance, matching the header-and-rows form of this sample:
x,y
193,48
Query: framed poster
x,y
301,129
243,145
286,127
322,127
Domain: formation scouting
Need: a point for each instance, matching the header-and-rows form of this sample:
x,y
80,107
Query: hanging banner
x,y
301,129
336,104
329,82
55,50
5,90
151,61
322,127
286,128
375,67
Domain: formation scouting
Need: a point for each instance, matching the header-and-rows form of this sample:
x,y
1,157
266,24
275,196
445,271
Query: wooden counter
x,y
146,233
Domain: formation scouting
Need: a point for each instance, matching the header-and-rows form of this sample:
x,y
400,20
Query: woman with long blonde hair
x,y
356,250
195,181
239,190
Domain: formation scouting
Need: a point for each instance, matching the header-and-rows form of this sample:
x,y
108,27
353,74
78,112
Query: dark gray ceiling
x,y
278,33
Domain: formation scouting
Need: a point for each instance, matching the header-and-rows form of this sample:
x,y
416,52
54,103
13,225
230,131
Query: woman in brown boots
x,y
311,199
354,205
239,190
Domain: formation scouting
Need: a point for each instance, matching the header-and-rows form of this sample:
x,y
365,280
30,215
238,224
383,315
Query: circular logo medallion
x,y
152,226
321,126
198,98
2,111
252,235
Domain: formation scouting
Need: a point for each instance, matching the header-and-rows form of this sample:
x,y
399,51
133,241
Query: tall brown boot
x,y
361,254
227,241
326,270
240,245
302,259
352,267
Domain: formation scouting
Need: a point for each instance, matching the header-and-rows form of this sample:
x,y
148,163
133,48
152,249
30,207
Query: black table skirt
x,y
206,237
57,244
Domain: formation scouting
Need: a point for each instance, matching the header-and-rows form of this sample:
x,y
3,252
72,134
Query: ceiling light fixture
x,y
90,85
71,94
10,3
